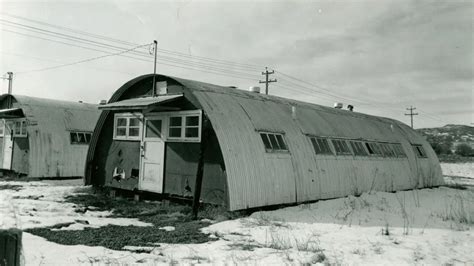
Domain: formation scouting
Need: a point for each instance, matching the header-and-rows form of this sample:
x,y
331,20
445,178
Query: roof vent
x,y
102,102
81,102
338,105
350,107
254,89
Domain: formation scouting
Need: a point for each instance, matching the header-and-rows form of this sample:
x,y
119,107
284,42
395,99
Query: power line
x,y
82,61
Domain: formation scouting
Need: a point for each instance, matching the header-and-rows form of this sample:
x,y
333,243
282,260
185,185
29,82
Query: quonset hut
x,y
256,150
43,137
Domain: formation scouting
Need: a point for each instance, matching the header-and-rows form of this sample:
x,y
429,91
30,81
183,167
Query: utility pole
x,y
154,70
267,81
411,114
10,85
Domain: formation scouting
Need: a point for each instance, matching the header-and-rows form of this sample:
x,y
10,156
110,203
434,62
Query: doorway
x,y
152,152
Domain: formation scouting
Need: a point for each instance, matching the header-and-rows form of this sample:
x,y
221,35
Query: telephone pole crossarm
x,y
411,114
267,81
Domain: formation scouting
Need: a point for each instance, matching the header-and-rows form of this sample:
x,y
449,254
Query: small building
x,y
256,150
44,137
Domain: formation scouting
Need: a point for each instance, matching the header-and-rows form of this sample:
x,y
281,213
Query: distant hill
x,y
445,139
452,133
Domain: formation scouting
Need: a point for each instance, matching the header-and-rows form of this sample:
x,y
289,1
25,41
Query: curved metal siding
x,y
236,116
51,152
257,178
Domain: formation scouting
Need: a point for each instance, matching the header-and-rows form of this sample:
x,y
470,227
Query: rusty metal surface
x,y
258,178
49,123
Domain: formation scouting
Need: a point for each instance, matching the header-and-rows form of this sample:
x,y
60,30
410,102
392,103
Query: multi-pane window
x,y
321,145
341,147
387,150
184,127
80,137
273,142
18,128
127,127
420,152
397,147
358,148
373,149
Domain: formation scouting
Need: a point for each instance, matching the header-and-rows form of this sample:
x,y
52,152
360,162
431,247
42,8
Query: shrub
x,y
464,150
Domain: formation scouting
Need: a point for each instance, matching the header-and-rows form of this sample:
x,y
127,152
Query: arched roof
x,y
256,178
51,114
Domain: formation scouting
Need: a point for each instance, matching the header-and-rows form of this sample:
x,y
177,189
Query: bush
x,y
464,150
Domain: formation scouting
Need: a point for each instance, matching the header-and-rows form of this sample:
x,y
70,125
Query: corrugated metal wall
x,y
258,178
50,121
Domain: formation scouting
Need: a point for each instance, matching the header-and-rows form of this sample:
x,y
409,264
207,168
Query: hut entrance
x,y
7,147
152,152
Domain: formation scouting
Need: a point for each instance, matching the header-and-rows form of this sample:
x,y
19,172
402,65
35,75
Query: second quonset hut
x,y
257,150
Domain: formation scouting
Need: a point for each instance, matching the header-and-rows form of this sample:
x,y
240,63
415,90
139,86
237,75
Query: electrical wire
x,y
81,61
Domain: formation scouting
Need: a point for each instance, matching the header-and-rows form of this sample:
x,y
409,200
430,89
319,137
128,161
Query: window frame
x,y
315,140
419,151
23,127
399,151
278,141
344,153
362,147
127,127
84,133
184,115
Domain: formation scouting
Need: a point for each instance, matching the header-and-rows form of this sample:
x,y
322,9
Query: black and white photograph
x,y
236,132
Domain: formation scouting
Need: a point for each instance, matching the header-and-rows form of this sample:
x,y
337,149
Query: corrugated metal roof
x,y
258,178
49,123
139,103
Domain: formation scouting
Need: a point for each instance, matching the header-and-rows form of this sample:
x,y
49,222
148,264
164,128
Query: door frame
x,y
7,134
143,141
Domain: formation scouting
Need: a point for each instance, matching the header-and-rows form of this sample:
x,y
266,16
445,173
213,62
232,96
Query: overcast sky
x,y
381,56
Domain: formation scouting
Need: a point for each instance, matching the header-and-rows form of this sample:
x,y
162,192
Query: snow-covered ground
x,y
428,226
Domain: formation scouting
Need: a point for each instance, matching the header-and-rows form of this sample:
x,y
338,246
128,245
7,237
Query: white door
x,y
152,156
7,146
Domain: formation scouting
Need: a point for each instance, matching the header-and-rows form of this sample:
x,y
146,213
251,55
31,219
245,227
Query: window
x,y
185,127
419,151
80,137
341,147
397,147
273,142
18,127
153,128
387,150
127,126
373,149
358,148
320,145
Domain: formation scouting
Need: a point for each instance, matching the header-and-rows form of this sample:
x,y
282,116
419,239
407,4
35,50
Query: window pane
x,y
192,121
175,132
265,140
2,125
274,142
134,122
81,138
153,128
88,137
121,132
73,137
281,142
175,121
134,132
17,128
121,122
191,132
